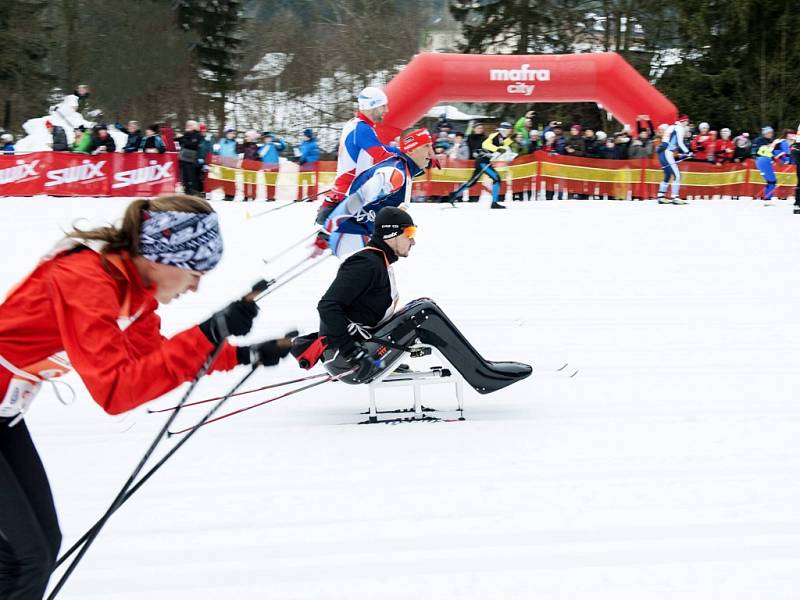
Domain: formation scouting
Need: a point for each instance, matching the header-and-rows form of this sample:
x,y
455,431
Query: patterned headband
x,y
183,239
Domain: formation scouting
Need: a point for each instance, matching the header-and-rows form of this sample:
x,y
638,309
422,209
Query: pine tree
x,y
25,76
218,27
738,63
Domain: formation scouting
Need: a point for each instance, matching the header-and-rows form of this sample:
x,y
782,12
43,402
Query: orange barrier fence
x,y
536,175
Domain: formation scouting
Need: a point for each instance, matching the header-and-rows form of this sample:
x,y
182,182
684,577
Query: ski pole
x,y
292,247
279,277
276,285
153,411
89,537
92,532
261,286
207,420
470,182
153,469
292,203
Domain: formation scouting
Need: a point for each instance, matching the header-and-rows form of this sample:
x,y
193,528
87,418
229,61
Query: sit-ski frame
x,y
394,377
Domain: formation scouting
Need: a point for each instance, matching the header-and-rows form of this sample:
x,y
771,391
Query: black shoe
x,y
497,205
797,209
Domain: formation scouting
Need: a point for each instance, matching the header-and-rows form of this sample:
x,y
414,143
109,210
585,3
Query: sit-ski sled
x,y
422,329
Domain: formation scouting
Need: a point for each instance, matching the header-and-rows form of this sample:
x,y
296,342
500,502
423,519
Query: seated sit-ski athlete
x,y
361,335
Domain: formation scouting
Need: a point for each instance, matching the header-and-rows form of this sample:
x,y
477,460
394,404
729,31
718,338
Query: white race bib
x,y
19,395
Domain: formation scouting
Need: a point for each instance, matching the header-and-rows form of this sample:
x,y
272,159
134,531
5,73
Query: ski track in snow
x,y
666,469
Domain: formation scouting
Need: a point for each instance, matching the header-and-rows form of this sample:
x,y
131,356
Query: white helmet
x,y
371,97
601,135
6,137
725,130
704,125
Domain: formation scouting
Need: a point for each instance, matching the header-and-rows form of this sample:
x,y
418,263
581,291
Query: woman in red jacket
x,y
724,147
90,306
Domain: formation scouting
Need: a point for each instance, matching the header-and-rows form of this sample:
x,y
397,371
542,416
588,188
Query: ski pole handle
x,y
259,286
286,341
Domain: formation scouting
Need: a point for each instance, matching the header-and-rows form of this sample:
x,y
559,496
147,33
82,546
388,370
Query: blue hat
x,y
308,133
505,125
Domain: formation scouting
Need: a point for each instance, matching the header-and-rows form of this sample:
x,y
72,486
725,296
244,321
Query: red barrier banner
x,y
254,180
69,174
541,173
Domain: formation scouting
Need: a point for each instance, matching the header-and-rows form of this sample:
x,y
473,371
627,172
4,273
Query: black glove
x,y
266,354
360,360
234,319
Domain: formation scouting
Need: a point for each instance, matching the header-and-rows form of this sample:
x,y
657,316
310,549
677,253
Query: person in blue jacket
x,y
308,159
134,133
151,141
226,145
7,143
309,149
779,150
796,157
270,150
767,137
764,150
783,148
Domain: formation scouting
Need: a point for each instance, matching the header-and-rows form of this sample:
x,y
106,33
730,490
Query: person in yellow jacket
x,y
494,145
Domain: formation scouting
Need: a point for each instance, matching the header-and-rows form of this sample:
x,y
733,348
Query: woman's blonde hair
x,y
126,235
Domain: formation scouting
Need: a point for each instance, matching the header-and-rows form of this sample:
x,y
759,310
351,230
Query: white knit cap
x,y
371,97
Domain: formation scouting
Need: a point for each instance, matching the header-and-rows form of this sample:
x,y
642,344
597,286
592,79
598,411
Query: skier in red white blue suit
x,y
359,149
388,183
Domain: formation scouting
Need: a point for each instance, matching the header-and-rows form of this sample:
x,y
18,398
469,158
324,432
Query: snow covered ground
x,y
668,468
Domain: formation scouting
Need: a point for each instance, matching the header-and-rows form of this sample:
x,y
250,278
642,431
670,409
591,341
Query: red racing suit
x,y
97,309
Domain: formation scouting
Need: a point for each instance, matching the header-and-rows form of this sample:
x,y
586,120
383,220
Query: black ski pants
x,y
797,189
29,534
190,177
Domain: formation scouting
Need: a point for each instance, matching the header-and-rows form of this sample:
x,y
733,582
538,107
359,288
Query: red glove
x,y
320,244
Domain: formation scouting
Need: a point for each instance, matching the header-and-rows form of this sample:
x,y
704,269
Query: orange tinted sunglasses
x,y
410,231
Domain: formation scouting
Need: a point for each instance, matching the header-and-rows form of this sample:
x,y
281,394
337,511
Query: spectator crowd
x,y
707,145
195,144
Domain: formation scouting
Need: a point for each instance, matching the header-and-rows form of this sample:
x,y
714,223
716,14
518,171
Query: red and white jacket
x,y
97,309
359,149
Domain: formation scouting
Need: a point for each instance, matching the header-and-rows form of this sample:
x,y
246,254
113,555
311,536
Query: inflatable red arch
x,y
604,77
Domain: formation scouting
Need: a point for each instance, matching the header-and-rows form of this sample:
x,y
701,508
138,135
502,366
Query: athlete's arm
x,y
680,139
355,277
122,369
382,182
367,140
